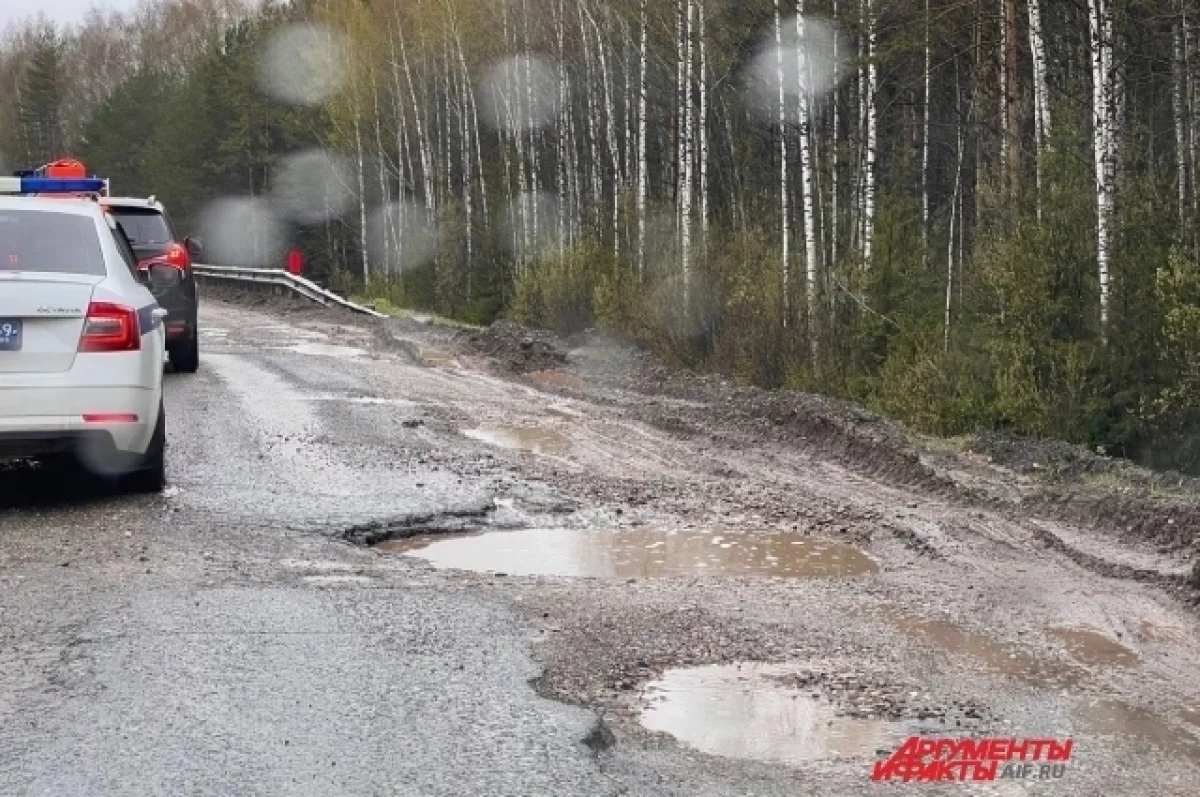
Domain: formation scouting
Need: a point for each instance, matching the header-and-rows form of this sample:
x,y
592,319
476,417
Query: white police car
x,y
81,339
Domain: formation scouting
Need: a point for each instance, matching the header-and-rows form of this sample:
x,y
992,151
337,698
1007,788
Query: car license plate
x,y
10,334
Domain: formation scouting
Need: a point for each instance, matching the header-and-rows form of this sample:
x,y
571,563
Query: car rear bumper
x,y
41,421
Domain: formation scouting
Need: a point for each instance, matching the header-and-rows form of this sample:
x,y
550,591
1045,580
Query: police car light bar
x,y
52,185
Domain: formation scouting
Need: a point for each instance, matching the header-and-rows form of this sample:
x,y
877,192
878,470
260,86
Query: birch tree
x,y
1104,114
784,215
1041,96
807,180
870,89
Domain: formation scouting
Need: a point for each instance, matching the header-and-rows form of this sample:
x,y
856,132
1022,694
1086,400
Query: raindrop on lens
x,y
302,64
400,237
242,231
520,93
532,224
312,187
807,59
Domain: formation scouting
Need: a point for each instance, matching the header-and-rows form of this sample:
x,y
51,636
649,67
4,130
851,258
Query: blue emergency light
x,y
52,185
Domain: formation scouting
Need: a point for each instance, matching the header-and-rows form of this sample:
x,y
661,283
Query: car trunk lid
x,y
41,320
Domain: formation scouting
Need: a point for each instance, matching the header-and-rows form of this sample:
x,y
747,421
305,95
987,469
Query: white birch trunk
x,y
1041,96
643,169
362,195
1003,73
925,133
872,137
1099,29
835,149
955,211
1178,77
687,204
785,216
807,182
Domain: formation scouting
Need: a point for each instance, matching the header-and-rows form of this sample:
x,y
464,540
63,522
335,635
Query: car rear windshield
x,y
142,226
39,240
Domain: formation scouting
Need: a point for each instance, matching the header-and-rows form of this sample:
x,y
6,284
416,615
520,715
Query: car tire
x,y
185,357
151,473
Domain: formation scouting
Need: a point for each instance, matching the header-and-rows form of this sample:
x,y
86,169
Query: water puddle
x,y
994,656
1114,718
326,350
437,357
1094,649
638,553
522,438
556,379
745,711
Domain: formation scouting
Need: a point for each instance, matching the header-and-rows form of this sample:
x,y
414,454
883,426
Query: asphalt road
x,y
229,638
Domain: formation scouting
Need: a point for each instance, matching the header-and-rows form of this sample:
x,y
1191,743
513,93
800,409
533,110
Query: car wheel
x,y
151,474
185,357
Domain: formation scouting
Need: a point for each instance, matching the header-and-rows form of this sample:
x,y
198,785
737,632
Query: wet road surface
x,y
325,601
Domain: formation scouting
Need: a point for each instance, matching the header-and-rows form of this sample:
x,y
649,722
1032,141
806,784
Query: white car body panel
x,y
48,386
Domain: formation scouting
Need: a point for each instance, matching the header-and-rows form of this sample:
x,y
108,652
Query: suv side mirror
x,y
194,246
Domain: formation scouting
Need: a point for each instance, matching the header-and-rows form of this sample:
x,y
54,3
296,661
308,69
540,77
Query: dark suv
x,y
155,243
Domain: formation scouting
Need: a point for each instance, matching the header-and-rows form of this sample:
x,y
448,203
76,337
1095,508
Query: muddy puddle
x,y
1136,724
1091,649
556,379
991,654
1095,649
327,350
638,553
745,711
532,439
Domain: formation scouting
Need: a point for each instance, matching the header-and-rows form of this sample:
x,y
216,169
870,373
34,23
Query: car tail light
x,y
176,256
110,327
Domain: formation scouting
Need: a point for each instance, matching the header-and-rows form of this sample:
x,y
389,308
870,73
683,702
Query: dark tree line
x,y
968,215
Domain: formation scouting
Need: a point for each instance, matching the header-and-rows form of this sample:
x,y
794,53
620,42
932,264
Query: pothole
x,y
449,522
1094,649
1116,718
993,655
327,350
556,378
747,711
638,553
533,439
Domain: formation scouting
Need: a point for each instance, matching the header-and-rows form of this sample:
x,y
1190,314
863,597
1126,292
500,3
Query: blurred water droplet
x,y
312,187
808,65
400,237
532,224
303,64
520,93
242,231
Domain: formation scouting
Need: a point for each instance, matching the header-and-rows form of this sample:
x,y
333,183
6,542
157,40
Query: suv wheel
x,y
185,356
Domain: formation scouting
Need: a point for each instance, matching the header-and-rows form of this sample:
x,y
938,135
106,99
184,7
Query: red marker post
x,y
295,263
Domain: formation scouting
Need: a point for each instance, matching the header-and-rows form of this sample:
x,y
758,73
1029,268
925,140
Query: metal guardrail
x,y
270,276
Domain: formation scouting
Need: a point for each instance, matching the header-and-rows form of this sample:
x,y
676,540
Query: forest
x,y
965,214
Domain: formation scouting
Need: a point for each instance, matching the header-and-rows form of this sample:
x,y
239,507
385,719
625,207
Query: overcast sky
x,y
57,10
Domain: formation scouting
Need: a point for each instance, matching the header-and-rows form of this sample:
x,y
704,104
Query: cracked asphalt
x,y
234,637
